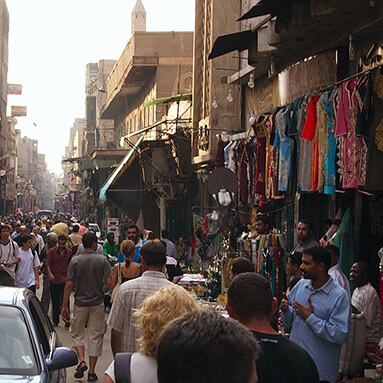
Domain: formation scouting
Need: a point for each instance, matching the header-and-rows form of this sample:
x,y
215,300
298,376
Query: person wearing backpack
x,y
27,273
9,257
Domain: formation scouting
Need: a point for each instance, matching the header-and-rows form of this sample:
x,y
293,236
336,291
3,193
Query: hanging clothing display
x,y
322,142
345,128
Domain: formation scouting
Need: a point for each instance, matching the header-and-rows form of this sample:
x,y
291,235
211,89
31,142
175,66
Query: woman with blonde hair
x,y
128,269
167,304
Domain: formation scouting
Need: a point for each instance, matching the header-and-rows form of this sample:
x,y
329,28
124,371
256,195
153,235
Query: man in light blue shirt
x,y
318,313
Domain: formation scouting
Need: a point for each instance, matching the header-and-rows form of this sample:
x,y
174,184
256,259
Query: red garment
x,y
308,134
220,154
58,263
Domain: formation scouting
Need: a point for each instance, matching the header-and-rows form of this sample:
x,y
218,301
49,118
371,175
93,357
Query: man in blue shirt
x,y
318,313
132,234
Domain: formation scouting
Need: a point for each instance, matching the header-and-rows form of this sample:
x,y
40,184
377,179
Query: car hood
x,y
21,379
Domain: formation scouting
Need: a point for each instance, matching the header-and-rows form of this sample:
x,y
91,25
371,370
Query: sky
x,y
50,43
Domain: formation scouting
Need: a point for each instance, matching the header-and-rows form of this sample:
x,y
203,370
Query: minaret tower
x,y
138,18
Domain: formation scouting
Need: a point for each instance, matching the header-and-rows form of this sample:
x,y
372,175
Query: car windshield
x,y
17,356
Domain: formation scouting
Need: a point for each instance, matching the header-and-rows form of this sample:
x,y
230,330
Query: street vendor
x,y
204,247
305,232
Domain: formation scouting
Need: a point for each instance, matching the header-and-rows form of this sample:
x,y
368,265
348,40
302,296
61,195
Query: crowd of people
x,y
159,332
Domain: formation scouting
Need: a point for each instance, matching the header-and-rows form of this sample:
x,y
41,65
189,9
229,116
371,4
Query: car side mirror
x,y
62,357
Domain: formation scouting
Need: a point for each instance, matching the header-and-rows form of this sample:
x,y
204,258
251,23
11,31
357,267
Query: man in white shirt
x,y
27,274
335,271
366,299
9,256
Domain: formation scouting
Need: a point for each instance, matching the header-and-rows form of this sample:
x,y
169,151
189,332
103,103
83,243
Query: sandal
x,y
92,377
80,369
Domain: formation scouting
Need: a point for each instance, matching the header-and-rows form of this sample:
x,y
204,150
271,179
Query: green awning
x,y
118,169
181,97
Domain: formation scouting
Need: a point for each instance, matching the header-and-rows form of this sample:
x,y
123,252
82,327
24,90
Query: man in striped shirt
x,y
366,299
132,293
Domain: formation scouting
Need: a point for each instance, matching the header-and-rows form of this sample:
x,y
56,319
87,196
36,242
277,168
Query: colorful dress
x,y
345,126
283,143
328,107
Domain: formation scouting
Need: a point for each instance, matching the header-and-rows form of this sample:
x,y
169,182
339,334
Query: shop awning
x,y
181,97
265,7
84,192
124,163
238,41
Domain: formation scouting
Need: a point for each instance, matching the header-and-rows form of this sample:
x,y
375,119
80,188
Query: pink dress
x,y
345,129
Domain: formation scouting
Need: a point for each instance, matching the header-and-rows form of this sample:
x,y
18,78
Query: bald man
x,y
366,299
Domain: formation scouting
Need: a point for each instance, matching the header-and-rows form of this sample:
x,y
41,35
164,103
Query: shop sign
x,y
18,111
9,191
15,89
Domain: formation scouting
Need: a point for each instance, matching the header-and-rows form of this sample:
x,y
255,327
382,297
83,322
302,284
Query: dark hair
x,y
61,237
154,253
198,232
319,254
264,219
133,226
241,265
165,233
5,226
25,237
293,282
296,258
75,228
214,349
334,249
250,296
308,223
88,239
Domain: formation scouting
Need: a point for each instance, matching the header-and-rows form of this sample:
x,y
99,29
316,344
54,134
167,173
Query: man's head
x,y
61,241
89,240
305,230
200,233
359,274
262,225
110,236
165,233
5,231
36,230
76,228
250,297
294,261
335,253
214,349
153,254
316,262
17,227
132,233
26,241
23,230
52,239
240,265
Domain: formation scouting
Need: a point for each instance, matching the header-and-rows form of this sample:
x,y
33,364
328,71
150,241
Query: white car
x,y
94,227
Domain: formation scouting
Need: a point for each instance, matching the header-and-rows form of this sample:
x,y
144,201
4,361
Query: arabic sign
x,y
18,111
16,89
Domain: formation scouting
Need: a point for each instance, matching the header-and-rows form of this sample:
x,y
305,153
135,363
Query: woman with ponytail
x,y
127,270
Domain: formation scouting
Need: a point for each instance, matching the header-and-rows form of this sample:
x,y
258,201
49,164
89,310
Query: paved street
x,y
102,363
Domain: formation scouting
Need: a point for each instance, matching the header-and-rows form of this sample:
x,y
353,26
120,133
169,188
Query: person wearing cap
x,y
110,248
